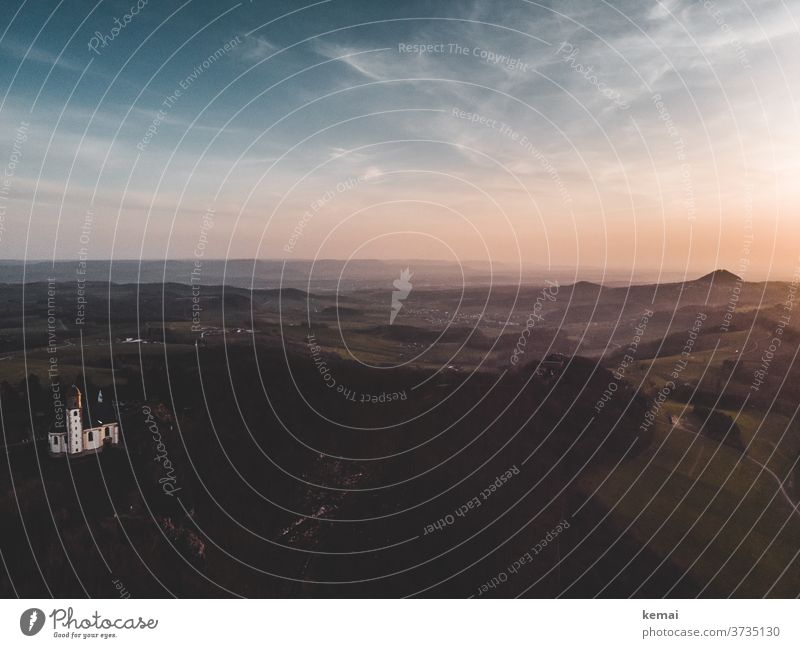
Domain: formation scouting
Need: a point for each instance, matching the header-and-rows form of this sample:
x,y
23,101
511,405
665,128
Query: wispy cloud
x,y
256,48
38,55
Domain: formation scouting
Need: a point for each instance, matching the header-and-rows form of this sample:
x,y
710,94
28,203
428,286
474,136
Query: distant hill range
x,y
334,275
322,275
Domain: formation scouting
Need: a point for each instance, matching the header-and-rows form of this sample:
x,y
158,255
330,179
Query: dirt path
x,y
680,425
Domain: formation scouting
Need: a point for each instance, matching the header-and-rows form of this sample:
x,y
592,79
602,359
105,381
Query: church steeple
x,y
74,398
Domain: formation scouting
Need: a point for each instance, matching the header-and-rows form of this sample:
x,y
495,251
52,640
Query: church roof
x,y
96,414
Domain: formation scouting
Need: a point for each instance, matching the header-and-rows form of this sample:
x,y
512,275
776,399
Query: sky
x,y
627,135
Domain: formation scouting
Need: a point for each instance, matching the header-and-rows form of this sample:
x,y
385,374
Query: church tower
x,y
74,420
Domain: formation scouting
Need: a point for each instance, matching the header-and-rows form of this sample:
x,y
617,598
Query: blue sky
x,y
624,134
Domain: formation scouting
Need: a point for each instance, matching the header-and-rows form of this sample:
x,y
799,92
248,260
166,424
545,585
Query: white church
x,y
80,437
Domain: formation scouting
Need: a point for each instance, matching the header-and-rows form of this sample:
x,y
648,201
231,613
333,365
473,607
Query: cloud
x,y
256,48
35,54
364,61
